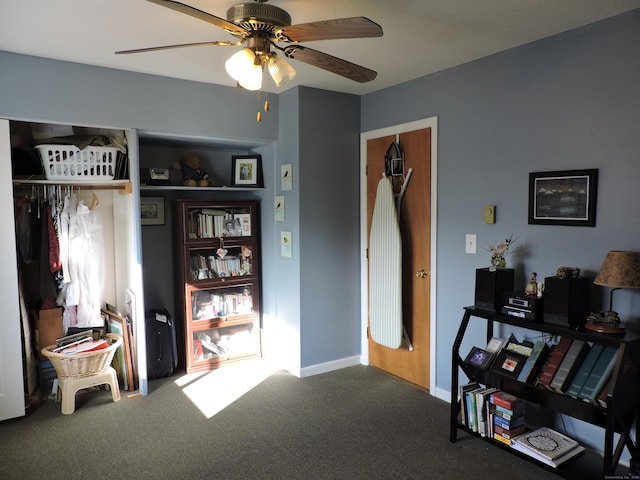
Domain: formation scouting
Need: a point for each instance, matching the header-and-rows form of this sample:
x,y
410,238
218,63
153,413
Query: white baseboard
x,y
325,367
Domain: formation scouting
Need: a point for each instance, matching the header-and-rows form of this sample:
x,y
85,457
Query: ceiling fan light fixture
x,y
243,67
280,70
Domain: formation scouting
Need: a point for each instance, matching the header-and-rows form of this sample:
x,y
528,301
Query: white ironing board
x,y
385,269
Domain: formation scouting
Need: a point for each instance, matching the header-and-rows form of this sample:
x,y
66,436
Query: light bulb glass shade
x,y
280,70
243,68
620,270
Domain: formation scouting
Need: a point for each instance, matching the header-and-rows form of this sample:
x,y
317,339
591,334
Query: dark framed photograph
x,y
152,210
508,363
565,197
479,357
246,171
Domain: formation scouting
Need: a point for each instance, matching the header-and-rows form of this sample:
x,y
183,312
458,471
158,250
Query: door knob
x,y
421,274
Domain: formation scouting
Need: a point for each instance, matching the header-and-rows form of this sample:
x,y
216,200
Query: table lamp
x,y
619,270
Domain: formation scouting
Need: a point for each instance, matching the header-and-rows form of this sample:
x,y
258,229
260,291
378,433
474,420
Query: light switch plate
x,y
490,214
471,243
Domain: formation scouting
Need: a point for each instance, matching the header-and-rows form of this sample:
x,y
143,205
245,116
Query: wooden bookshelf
x,y
219,289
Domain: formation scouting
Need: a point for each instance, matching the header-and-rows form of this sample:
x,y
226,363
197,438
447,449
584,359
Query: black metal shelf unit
x,y
623,400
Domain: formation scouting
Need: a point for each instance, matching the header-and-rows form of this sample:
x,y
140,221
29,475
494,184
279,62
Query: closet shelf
x,y
124,185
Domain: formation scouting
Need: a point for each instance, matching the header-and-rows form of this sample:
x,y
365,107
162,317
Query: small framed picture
x,y
479,357
152,210
246,171
563,198
508,363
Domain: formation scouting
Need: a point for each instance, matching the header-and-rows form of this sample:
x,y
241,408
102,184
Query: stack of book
x,y
506,415
79,343
547,446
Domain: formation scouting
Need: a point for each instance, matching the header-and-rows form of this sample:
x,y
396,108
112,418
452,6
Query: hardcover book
x,y
569,365
599,374
482,412
505,400
508,424
534,362
584,370
553,363
546,442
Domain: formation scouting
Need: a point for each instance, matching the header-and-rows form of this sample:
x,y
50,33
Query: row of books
x,y
205,305
211,266
570,367
499,415
210,223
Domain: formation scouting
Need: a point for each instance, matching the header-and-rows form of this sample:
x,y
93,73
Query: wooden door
x,y
415,225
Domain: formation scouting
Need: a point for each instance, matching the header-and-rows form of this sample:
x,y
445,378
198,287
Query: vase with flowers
x,y
499,254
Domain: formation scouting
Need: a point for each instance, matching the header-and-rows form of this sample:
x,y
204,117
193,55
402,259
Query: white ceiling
x,y
420,36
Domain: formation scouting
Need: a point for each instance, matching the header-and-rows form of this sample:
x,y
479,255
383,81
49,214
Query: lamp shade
x,y
243,68
620,270
280,70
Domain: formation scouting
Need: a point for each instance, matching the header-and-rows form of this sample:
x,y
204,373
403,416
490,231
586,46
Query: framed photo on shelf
x,y
152,210
246,171
479,357
565,197
508,363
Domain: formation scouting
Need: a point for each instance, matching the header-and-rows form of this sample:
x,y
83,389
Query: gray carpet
x,y
354,423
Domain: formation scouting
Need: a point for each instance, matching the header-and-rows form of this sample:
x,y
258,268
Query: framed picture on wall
x,y
565,197
246,171
152,210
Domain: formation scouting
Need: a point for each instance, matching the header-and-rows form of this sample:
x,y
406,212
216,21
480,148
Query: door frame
x,y
432,123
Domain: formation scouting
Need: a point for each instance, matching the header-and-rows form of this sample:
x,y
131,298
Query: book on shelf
x,y
534,362
599,374
494,345
482,410
506,400
506,414
604,392
547,446
508,433
546,442
515,422
553,362
464,416
501,439
570,364
472,412
584,370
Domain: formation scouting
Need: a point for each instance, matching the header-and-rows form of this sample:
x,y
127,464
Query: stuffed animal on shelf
x,y
193,175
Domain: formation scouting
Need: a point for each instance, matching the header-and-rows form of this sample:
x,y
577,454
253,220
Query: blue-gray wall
x,y
571,101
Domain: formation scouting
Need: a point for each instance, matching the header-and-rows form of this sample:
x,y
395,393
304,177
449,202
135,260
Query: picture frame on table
x,y
246,171
508,363
566,197
152,210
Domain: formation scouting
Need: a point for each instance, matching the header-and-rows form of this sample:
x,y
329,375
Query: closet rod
x,y
125,185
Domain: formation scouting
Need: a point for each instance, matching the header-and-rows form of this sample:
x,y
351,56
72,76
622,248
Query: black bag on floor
x,y
162,347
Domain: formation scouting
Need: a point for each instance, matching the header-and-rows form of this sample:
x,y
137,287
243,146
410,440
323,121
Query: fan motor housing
x,y
258,16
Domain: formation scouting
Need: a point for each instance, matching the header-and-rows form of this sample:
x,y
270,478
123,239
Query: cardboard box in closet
x,y
49,327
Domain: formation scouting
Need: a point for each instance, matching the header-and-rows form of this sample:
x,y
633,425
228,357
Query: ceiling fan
x,y
261,28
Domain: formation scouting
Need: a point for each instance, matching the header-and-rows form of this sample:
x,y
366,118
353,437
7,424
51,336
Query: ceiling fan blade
x,y
168,47
207,17
352,27
330,63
